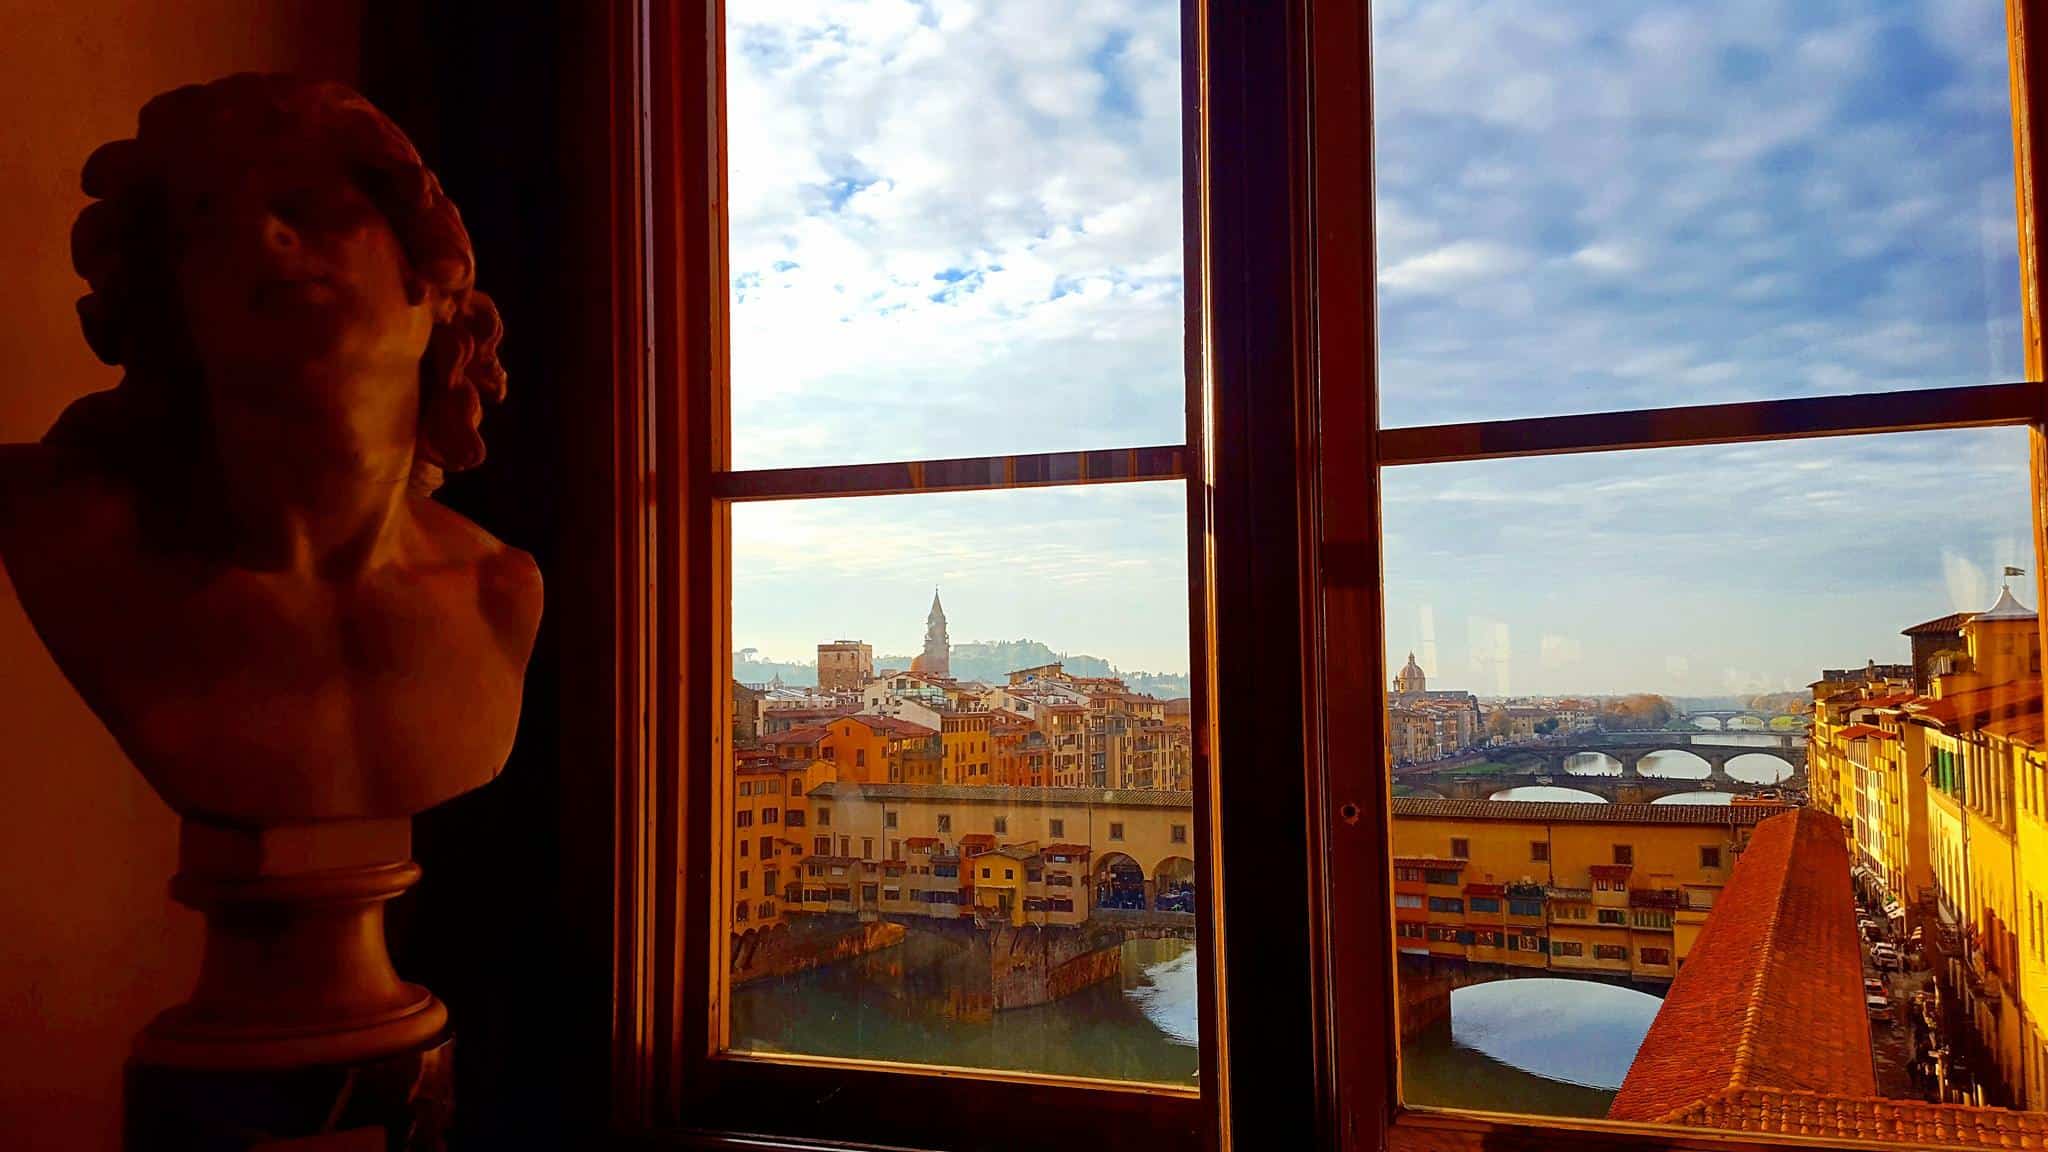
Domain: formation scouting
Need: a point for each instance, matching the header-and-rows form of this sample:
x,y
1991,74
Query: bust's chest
x,y
271,698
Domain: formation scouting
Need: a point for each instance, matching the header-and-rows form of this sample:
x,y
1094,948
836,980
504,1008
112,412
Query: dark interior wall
x,y
91,945
487,92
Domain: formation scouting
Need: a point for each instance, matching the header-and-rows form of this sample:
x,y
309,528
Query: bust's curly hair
x,y
125,246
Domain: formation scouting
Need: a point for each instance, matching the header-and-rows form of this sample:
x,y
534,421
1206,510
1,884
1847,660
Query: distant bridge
x,y
1727,715
1544,763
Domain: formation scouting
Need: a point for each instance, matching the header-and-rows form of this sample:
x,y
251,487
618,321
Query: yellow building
x,y
964,738
1611,888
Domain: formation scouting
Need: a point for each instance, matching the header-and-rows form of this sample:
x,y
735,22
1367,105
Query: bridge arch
x,y
1761,767
1120,883
1173,885
1674,763
1592,762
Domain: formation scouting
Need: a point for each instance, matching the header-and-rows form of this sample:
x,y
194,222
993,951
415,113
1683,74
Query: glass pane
x,y
955,228
961,809
1719,794
1594,206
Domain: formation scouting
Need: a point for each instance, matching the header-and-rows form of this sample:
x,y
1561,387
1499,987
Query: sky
x,y
956,230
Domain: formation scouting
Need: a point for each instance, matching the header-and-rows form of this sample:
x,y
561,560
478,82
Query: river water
x,y
905,1004
1542,1046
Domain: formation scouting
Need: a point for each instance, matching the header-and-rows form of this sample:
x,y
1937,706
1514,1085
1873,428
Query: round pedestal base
x,y
399,1102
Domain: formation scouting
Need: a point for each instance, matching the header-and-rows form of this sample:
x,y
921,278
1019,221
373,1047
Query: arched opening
x,y
1549,793
1760,768
1173,885
1675,764
1707,723
1743,724
1591,764
1119,883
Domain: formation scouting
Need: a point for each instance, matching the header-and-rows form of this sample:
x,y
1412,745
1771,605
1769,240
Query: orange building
x,y
882,750
964,739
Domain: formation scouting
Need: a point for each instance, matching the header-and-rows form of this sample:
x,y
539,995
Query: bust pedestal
x,y
299,1027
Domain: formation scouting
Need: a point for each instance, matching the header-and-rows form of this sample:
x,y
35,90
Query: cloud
x,y
1454,265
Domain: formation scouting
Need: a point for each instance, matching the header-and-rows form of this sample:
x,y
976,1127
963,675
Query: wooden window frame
x,y
1285,562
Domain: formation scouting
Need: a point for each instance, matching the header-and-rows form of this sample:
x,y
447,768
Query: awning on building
x,y
1893,910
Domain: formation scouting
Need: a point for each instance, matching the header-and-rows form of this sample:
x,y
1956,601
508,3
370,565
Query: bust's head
x,y
267,232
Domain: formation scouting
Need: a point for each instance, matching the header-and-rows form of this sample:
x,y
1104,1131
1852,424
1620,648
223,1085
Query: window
x,y
1661,956
744,818
824,817
1485,904
744,877
1624,854
1613,916
770,815
1461,848
1610,952
1539,851
1710,856
767,847
1056,826
1434,377
822,846
1441,875
743,847
937,267
1526,908
1407,900
1446,904
1566,947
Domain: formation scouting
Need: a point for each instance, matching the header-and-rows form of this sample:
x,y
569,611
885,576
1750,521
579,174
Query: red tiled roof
x,y
1066,850
1771,995
1477,889
1611,871
1999,701
2026,728
891,725
806,734
1865,731
1881,1121
1953,622
981,840
920,843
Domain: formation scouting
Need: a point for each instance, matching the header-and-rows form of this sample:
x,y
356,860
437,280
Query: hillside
x,y
989,661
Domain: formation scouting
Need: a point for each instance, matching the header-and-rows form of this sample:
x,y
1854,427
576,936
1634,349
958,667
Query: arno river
x,y
1557,1047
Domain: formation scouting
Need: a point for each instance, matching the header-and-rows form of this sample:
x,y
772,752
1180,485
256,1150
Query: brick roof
x,y
1863,731
1771,995
1545,812
1882,1121
892,726
1953,622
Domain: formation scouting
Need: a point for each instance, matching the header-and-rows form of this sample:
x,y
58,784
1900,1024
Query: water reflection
x,y
911,1003
1672,764
1758,768
1592,764
1545,1046
1697,798
1548,792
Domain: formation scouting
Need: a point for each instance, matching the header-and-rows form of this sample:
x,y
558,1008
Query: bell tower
x,y
937,649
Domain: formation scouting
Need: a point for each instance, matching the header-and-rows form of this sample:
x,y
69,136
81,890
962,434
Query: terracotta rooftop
x,y
1771,995
1940,625
1545,812
1865,731
1886,1122
980,793
892,726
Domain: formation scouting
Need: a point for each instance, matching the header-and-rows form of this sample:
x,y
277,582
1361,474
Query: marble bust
x,y
235,555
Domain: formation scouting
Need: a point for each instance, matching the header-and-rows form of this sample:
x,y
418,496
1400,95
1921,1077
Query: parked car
x,y
1879,1007
1873,986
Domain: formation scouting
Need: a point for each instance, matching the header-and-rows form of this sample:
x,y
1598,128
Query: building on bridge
x,y
1765,1029
1617,890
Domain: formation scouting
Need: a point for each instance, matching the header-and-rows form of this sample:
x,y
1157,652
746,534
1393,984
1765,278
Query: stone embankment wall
x,y
794,948
1030,966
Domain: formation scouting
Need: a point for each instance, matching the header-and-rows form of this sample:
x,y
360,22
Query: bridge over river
x,y
1545,763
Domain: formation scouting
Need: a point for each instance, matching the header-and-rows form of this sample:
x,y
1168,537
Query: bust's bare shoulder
x,y
509,589
44,491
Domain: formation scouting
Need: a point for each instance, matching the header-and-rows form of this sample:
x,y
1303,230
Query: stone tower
x,y
937,660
